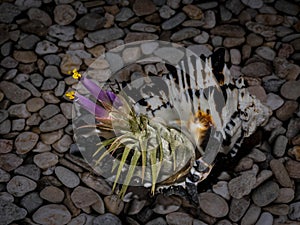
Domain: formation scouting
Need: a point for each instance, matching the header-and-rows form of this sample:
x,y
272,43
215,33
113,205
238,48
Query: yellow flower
x,y
76,75
71,95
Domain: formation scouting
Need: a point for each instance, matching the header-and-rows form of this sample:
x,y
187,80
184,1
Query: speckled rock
x,y
45,160
14,92
55,123
228,30
241,186
9,161
20,185
142,8
107,219
213,205
91,22
26,142
290,90
266,193
52,214
67,177
105,35
177,218
10,212
52,194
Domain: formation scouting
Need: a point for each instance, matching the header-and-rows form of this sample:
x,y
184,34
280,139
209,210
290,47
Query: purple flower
x,y
90,106
107,97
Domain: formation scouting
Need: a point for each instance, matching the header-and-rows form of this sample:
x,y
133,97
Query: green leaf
x,y
122,162
131,169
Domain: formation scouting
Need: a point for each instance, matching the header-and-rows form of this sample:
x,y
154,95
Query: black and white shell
x,y
207,86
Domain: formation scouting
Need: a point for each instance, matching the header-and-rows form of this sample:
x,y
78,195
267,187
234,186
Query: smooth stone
x,y
60,90
45,160
265,193
136,206
265,219
63,144
294,213
235,6
9,162
52,194
213,205
293,128
286,195
106,35
266,53
228,30
4,176
34,27
257,155
135,36
3,115
114,204
287,7
290,90
131,55
142,8
173,21
235,56
226,15
221,188
96,183
144,27
178,218
293,168
35,104
166,12
52,59
36,79
25,56
67,177
256,69
254,4
278,210
274,101
157,221
254,40
5,127
238,207
50,138
124,14
29,170
55,123
107,219
272,83
63,33
269,19
91,22
280,146
171,55
49,84
18,125
166,205
202,38
45,47
263,30
14,92
241,185
9,62
8,12
251,215
38,14
230,42
193,12
52,214
70,62
26,4
20,185
10,212
26,142
19,110
64,14
185,33
49,111
29,41
6,146
84,197
31,202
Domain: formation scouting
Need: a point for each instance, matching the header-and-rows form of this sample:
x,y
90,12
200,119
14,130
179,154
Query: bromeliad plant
x,y
141,146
